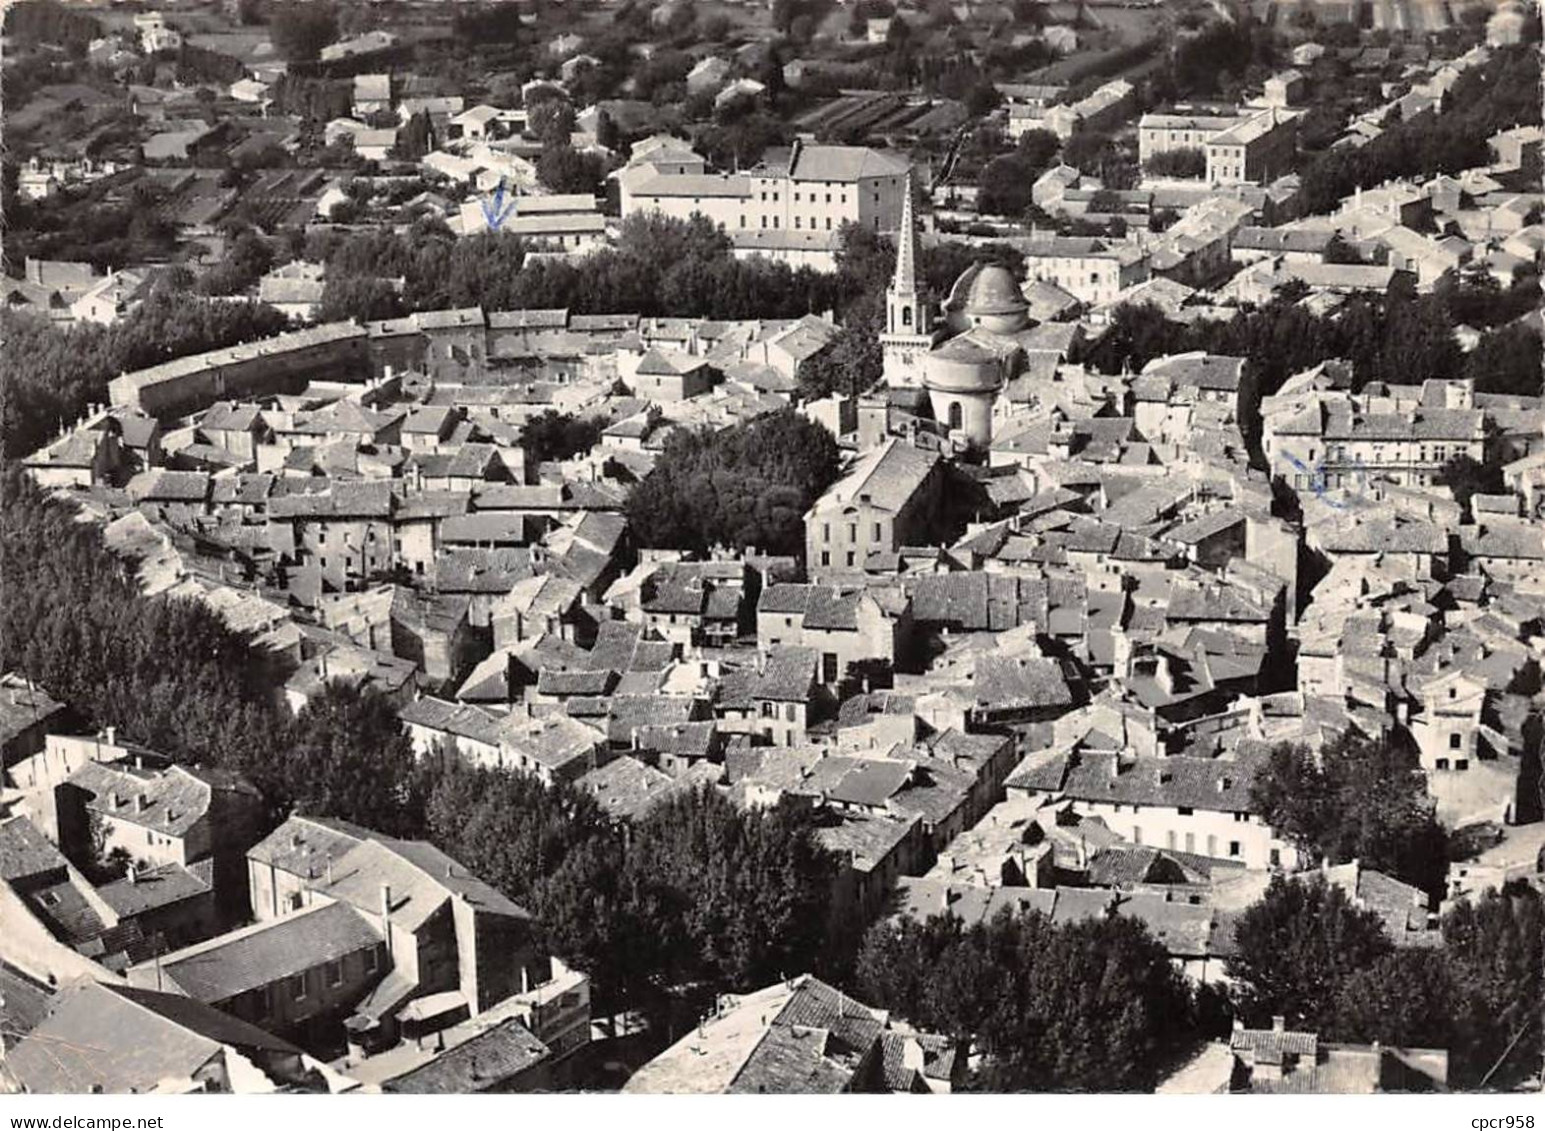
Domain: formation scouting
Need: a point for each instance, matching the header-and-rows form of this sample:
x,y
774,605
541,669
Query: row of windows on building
x,y
826,532
1440,453
842,197
798,222
1174,843
298,987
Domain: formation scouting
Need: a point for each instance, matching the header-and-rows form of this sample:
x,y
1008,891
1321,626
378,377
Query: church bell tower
x,y
908,312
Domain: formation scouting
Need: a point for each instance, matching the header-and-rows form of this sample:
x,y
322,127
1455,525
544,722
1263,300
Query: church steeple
x,y
907,311
905,280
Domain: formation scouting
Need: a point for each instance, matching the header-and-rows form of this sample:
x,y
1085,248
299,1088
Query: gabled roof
x,y
25,852
1018,682
421,878
174,799
788,674
304,846
121,1039
845,163
221,968
885,478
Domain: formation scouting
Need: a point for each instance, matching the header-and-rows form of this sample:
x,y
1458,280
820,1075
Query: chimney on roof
x,y
141,802
132,875
112,736
1279,1024
386,910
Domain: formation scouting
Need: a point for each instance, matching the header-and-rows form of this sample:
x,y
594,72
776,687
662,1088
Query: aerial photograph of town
x,y
773,547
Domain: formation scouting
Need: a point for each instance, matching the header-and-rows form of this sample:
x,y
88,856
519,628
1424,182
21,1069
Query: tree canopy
x,y
299,30
697,892
1307,954
1296,947
558,435
659,267
1090,1006
745,486
1358,799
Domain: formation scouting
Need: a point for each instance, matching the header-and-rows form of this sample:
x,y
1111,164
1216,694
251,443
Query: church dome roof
x,y
988,288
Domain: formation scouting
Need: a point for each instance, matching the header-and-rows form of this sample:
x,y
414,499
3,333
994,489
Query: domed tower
x,y
964,375
987,295
909,331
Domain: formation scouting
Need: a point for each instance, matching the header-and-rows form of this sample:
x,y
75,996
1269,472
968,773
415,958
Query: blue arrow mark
x,y
499,212
1317,481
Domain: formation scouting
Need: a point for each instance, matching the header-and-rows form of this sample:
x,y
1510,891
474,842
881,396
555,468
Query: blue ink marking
x,y
500,212
1318,485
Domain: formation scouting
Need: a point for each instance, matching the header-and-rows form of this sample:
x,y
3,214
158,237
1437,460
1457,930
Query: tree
x,y
1337,250
558,436
347,757
362,299
982,99
1507,360
1091,1006
565,169
734,896
850,365
1098,155
1004,186
1495,951
1138,333
486,23
746,486
1186,163
1038,148
1466,477
300,29
899,962
1359,799
1297,946
416,138
247,260
1406,998
510,829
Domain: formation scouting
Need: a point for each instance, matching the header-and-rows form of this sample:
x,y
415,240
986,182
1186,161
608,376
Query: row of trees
x,y
52,374
1495,95
660,266
1097,1005
700,893
1402,339
1305,952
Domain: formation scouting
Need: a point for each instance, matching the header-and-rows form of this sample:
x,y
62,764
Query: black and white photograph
x,y
557,549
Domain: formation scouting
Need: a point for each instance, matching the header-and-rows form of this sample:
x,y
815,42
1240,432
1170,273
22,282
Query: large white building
x,y
799,196
1179,129
1091,269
